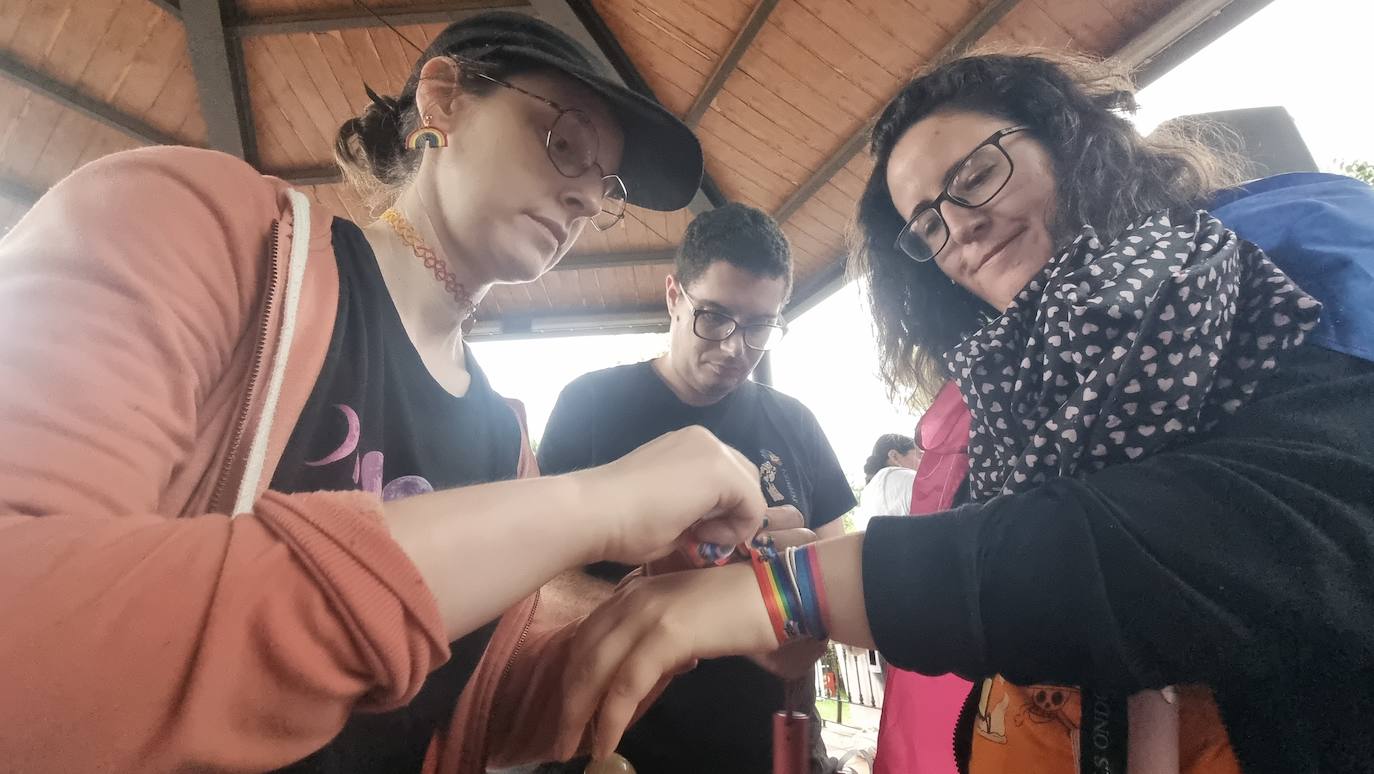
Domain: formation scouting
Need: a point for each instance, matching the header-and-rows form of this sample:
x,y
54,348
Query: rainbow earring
x,y
427,137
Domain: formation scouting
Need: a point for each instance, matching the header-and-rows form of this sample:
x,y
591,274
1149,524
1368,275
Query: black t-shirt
x,y
718,717
378,421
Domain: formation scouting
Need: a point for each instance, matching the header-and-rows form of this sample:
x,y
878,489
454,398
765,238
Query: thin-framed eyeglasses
x,y
711,325
572,144
972,183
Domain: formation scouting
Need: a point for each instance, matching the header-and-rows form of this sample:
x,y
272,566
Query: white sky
x,y
1311,56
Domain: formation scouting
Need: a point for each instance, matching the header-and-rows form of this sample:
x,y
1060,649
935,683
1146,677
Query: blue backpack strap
x,y
1319,229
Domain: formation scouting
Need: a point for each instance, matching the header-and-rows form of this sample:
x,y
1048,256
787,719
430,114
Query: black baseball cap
x,y
662,161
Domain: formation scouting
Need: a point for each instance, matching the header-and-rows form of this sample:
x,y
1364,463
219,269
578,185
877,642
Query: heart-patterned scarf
x,y
1115,352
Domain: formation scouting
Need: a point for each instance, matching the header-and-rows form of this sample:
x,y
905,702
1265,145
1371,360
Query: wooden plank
x,y
113,55
778,59
31,133
38,30
1088,21
1028,25
897,50
949,15
176,95
66,62
284,144
801,25
317,130
754,106
156,57
657,23
11,14
347,68
729,61
327,81
354,18
396,55
661,49
363,51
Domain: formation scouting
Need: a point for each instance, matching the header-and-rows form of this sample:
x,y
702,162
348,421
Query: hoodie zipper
x,y
963,729
259,347
505,674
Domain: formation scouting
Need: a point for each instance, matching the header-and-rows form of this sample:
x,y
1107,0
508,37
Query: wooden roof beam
x,y
616,260
1182,32
19,192
217,62
727,64
638,320
69,97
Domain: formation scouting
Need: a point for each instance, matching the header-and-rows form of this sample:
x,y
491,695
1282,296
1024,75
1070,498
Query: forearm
x,y
482,548
842,573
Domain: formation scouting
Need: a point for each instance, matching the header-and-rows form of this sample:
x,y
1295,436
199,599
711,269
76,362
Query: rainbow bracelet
x,y
793,594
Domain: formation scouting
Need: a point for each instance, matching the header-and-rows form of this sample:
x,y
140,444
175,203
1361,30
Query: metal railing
x,y
848,675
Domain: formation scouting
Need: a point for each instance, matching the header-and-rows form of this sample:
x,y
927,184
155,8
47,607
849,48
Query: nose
x,y
734,343
965,225
581,196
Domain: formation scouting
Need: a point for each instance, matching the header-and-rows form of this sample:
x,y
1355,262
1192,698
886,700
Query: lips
x,y
726,370
996,252
555,229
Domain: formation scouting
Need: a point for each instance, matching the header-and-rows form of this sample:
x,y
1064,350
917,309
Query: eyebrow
x,y
944,184
712,306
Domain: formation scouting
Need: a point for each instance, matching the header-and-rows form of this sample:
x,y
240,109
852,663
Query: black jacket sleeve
x,y
1228,558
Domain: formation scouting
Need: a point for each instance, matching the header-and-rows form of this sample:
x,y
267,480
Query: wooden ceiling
x,y
780,92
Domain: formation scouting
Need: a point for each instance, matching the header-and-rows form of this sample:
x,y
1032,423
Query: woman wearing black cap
x,y
247,487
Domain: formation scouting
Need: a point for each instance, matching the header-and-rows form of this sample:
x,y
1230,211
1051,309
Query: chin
x,y
714,387
522,265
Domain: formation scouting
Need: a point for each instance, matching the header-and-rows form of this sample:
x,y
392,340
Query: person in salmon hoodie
x,y
257,506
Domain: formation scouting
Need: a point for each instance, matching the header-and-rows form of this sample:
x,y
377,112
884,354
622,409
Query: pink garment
x,y
916,733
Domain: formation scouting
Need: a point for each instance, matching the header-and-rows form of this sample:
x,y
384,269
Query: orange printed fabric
x,y
1035,730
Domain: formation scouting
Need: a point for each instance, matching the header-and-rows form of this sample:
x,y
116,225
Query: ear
x,y
438,92
893,458
671,292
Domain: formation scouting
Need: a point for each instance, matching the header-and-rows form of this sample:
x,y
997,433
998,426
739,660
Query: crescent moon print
x,y
350,442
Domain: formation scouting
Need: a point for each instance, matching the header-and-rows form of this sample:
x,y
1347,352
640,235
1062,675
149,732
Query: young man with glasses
x,y
733,273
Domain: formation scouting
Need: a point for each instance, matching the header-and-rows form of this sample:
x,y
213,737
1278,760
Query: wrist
x,y
754,622
586,501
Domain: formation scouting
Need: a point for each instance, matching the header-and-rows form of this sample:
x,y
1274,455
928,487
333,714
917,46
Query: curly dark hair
x,y
739,235
886,443
1106,173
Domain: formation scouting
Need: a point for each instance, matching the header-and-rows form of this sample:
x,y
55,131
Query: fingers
x,y
793,660
789,538
656,654
784,517
598,649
